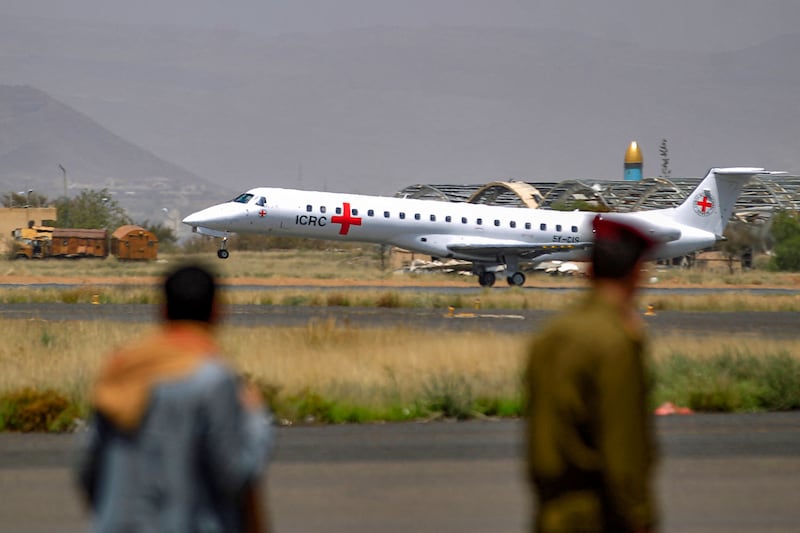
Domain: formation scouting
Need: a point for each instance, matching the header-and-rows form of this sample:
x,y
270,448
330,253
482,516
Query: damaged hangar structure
x,y
752,214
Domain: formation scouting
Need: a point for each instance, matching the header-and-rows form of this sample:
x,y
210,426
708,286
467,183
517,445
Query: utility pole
x,y
64,173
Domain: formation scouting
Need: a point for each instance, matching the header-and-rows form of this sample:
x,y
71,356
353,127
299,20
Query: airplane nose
x,y
193,219
217,217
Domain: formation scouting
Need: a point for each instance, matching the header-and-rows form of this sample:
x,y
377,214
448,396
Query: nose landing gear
x,y
222,253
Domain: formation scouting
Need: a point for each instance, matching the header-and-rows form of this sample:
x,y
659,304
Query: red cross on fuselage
x,y
705,204
262,213
346,219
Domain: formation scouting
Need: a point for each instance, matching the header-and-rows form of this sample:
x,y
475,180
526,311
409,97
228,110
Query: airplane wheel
x,y
516,279
486,279
222,254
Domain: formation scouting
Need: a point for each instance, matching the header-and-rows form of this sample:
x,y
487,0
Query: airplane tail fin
x,y
710,205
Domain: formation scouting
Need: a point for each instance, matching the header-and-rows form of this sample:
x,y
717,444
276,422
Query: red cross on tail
x,y
705,204
346,219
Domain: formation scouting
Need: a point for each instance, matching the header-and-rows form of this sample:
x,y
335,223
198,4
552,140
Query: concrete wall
x,y
12,218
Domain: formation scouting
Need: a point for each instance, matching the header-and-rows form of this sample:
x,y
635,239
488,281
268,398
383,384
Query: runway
x,y
773,324
727,473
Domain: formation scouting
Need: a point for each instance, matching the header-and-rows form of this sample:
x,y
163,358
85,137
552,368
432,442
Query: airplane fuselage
x,y
424,226
493,238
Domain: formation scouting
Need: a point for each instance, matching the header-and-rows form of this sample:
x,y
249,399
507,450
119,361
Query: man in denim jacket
x,y
176,442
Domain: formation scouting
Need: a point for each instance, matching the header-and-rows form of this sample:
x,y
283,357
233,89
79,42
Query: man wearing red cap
x,y
590,446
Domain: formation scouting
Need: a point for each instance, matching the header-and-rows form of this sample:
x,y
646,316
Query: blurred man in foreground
x,y
589,438
176,442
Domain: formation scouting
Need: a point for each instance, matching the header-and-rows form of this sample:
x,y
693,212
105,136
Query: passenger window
x,y
386,214
322,209
463,220
574,229
402,216
371,213
448,218
512,224
308,208
527,225
433,218
354,212
496,222
558,227
338,210
543,227
416,216
479,221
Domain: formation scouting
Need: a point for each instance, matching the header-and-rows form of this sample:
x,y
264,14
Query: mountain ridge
x,y
39,134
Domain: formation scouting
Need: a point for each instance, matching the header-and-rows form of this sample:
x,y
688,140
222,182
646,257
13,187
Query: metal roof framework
x,y
762,195
508,193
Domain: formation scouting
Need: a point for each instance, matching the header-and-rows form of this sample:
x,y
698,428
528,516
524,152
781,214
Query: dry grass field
x,y
342,266
338,373
331,372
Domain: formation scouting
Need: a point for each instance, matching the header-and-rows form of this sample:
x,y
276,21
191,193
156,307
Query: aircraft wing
x,y
211,232
521,250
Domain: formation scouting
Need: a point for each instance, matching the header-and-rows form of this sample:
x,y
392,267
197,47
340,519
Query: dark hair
x,y
616,259
189,291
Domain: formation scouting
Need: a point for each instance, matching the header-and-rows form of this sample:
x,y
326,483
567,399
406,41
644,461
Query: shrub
x,y
337,299
31,410
389,300
449,395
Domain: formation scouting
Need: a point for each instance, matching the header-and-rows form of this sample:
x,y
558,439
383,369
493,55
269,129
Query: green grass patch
x,y
730,381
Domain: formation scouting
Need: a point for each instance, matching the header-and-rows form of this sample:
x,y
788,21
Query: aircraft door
x,y
256,209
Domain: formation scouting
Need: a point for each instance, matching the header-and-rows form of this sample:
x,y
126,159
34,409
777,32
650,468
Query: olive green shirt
x,y
590,447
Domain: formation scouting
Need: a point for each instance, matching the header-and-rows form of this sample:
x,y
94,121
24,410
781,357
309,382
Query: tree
x,y
167,239
663,151
738,244
21,199
786,232
91,209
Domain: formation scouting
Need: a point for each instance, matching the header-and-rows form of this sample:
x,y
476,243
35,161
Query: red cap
x,y
612,230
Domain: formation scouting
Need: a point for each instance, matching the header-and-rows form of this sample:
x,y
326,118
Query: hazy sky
x,y
436,91
704,25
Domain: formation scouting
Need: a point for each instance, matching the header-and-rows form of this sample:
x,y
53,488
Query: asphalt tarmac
x,y
732,473
772,324
718,472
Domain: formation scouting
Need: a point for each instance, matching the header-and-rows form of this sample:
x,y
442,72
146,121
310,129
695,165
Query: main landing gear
x,y
222,253
516,279
487,279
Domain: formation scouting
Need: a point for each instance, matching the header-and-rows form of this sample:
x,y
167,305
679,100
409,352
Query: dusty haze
x,y
370,96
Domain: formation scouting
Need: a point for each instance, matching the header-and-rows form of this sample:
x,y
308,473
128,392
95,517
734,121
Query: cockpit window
x,y
243,198
261,201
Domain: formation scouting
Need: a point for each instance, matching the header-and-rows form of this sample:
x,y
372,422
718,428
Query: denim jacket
x,y
187,465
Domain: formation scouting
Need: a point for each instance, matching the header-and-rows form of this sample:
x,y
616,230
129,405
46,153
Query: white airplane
x,y
494,239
